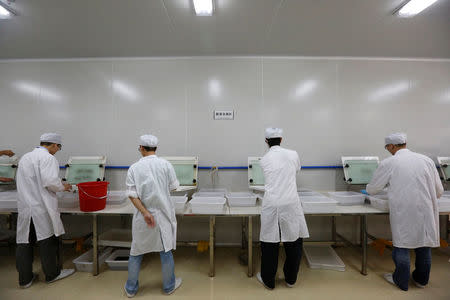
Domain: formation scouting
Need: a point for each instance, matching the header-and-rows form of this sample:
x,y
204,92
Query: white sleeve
x,y
173,181
380,179
49,170
131,186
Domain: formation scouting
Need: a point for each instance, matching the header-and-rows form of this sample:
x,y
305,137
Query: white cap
x,y
51,138
148,140
395,139
272,132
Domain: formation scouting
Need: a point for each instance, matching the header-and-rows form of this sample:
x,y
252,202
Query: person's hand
x,y
7,153
67,187
149,220
364,192
4,179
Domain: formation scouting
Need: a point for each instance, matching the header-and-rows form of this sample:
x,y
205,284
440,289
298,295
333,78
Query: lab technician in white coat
x,y
10,154
282,218
38,217
413,189
154,229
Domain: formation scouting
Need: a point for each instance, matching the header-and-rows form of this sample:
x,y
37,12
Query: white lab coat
x,y
413,189
37,183
151,179
282,217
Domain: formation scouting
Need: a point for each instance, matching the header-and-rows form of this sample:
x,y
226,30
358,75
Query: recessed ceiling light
x,y
203,7
6,12
413,7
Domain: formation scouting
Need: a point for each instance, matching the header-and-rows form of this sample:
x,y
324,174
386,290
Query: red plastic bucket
x,y
92,195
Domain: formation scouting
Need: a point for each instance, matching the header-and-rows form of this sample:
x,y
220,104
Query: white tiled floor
x,y
231,281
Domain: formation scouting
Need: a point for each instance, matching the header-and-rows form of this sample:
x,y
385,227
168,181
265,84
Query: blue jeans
x,y
402,264
168,272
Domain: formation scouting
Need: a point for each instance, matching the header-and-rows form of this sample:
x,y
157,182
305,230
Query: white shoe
x,y
258,276
178,282
389,278
128,294
30,283
289,285
64,273
420,286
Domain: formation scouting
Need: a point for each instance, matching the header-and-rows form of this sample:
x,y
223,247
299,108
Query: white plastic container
x,y
320,204
179,202
444,203
116,197
68,199
309,194
84,262
115,261
207,205
241,199
208,194
8,200
348,198
214,190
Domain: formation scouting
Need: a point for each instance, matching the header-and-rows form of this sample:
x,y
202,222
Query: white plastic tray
x,y
84,262
207,205
8,200
318,203
116,238
116,197
242,199
121,265
323,257
379,201
309,193
348,198
179,202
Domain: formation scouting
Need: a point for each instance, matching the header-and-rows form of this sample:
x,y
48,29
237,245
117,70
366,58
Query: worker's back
x,y
413,199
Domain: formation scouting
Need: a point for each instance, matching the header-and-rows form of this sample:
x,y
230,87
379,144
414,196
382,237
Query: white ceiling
x,y
116,28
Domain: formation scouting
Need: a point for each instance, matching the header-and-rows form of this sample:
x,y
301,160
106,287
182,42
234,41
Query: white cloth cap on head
x,y
395,139
272,132
51,138
149,140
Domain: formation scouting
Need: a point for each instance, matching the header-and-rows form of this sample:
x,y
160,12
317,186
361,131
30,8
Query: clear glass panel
x,y
256,173
360,171
83,173
185,173
8,172
87,160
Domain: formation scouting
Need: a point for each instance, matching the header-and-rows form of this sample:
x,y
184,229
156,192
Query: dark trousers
x,y
402,264
49,253
269,261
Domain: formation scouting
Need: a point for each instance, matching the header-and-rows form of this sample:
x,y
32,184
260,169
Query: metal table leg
x,y
364,244
212,233
95,245
250,247
333,229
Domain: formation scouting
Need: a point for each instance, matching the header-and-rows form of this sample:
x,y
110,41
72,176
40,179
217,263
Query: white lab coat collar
x,y
275,148
402,151
43,148
149,157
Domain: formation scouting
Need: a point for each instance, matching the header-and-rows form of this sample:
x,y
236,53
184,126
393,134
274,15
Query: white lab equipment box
x,y
68,199
84,263
208,205
348,198
241,199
